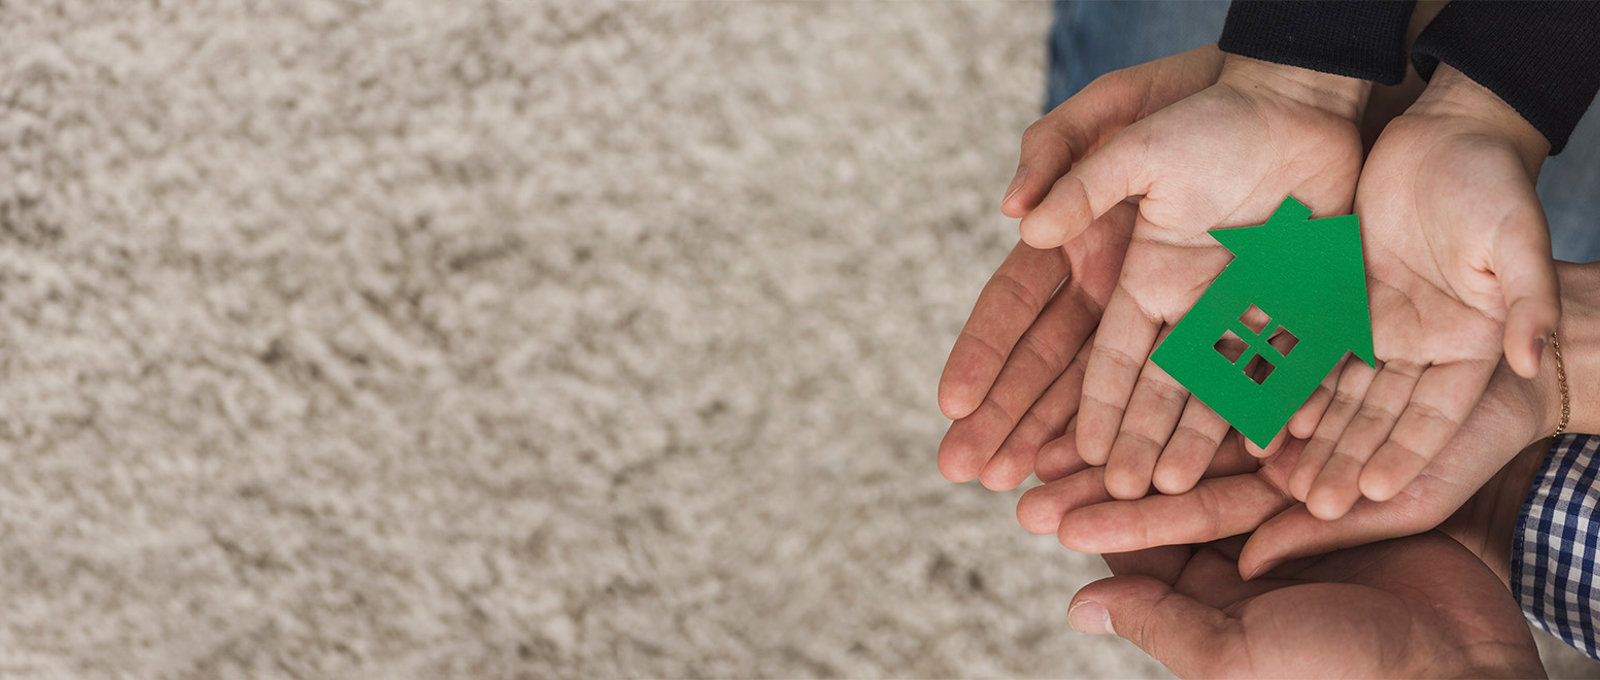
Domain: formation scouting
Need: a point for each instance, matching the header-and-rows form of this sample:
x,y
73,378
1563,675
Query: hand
x,y
1227,155
1026,337
1004,383
1412,607
1242,495
1101,109
1459,269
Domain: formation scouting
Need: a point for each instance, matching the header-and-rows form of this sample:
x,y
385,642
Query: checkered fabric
x,y
1554,550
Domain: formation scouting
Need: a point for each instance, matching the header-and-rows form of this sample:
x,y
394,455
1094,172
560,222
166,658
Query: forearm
x,y
1363,40
1535,515
1579,336
1542,58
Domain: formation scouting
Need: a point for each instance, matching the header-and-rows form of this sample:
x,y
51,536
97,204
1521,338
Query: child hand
x,y
1459,270
1225,156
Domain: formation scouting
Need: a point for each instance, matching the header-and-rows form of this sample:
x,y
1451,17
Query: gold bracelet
x,y
1561,379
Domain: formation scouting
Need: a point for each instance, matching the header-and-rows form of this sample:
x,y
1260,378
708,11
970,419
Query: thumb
x,y
1528,280
1092,188
1072,130
1296,533
1188,637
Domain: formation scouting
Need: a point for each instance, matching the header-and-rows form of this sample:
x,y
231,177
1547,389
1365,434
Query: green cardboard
x,y
1308,276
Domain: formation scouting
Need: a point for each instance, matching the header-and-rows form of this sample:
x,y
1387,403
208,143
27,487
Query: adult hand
x,y
1227,155
1242,494
1459,269
1004,382
1101,109
1412,607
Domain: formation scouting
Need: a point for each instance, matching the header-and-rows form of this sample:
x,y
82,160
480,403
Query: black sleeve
x,y
1542,58
1364,40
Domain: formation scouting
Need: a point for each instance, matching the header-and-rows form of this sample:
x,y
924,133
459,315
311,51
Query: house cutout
x,y
1294,283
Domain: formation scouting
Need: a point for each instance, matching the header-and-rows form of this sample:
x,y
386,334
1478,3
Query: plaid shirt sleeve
x,y
1554,550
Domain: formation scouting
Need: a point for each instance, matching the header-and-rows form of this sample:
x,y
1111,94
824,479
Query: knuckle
x,y
1046,354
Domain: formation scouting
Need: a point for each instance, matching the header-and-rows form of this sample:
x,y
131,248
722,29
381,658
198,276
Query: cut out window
x,y
1285,340
1255,319
1231,346
1246,346
1258,369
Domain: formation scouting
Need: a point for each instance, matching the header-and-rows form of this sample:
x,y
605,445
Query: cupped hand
x,y
1101,109
1422,606
1242,494
1007,383
1225,156
1459,271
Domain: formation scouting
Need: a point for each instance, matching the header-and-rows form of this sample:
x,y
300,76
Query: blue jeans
x,y
1093,38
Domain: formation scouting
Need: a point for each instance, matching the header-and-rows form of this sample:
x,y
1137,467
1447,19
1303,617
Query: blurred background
x,y
398,338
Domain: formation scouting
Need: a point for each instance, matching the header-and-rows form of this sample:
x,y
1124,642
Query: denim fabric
x,y
1092,38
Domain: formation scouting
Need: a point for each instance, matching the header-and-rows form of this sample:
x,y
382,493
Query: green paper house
x,y
1308,277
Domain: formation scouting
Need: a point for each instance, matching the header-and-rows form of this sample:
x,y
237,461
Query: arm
x,y
1543,532
1542,58
1365,40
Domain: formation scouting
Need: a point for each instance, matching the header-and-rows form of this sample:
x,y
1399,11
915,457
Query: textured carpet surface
x,y
499,339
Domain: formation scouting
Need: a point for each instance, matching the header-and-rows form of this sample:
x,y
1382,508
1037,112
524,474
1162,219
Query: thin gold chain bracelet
x,y
1561,379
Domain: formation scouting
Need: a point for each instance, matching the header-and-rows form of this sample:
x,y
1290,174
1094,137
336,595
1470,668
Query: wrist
x,y
1341,96
1580,351
1452,93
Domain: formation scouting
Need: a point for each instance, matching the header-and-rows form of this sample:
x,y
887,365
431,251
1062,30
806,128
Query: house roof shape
x,y
1309,273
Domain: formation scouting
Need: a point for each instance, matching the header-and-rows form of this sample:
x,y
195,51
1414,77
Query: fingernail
x,y
1016,183
1088,617
1269,566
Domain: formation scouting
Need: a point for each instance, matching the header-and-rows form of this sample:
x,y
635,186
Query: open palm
x,y
1226,156
1412,607
1013,377
1242,494
1012,381
1459,271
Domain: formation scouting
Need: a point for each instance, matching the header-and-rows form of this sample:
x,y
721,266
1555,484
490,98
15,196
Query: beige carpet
x,y
507,339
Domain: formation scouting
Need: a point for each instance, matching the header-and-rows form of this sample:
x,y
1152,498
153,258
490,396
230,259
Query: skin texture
x,y
1224,156
1412,607
1478,482
1459,270
1027,327
1453,228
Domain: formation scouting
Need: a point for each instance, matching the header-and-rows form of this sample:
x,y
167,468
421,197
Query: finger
x,y
1527,277
1059,457
1193,446
1121,351
1216,508
1095,184
1354,381
1042,355
1271,448
1044,508
1153,412
1071,130
1044,421
1008,305
1304,422
1296,533
1444,397
1190,638
1337,487
1041,508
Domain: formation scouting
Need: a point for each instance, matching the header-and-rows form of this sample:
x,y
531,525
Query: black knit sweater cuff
x,y
1542,58
1364,40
